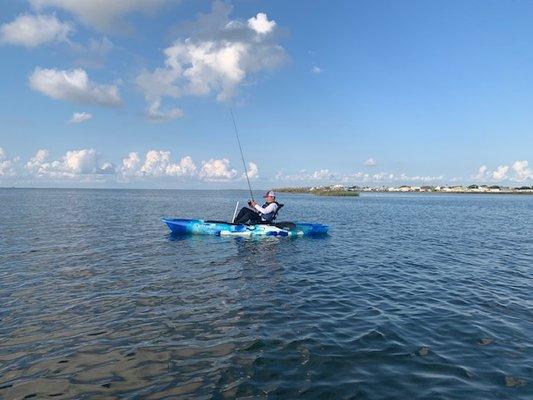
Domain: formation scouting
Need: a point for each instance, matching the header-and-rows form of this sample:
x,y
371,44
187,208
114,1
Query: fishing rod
x,y
242,154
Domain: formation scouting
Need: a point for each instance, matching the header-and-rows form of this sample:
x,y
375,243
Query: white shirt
x,y
272,207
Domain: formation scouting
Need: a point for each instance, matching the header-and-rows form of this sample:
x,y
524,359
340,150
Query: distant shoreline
x,y
414,193
340,190
447,193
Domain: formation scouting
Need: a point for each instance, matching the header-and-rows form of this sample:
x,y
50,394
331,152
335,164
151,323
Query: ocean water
x,y
408,297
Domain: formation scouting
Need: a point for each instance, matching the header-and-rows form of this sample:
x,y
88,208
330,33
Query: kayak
x,y
222,228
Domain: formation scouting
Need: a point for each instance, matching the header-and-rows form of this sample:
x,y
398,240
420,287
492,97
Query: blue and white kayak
x,y
221,228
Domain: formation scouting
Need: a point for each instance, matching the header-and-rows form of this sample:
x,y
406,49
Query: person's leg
x,y
240,215
245,215
255,218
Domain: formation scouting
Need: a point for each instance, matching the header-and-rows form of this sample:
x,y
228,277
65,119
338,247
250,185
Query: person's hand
x,y
253,203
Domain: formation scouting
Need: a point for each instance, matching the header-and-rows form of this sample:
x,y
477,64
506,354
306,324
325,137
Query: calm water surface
x,y
409,297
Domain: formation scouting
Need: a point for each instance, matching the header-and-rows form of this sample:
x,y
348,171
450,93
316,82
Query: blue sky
x,y
380,92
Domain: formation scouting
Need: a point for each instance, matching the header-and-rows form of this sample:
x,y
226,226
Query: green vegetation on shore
x,y
352,193
321,191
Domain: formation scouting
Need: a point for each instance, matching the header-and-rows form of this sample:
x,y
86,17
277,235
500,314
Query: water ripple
x,y
409,297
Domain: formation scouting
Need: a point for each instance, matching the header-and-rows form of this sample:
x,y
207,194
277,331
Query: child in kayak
x,y
256,214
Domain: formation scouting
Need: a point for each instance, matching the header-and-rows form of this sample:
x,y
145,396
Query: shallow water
x,y
410,296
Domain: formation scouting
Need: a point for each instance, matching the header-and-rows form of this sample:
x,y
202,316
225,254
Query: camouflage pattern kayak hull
x,y
221,228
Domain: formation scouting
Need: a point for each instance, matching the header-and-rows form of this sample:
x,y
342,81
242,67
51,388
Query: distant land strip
x,y
341,190
321,191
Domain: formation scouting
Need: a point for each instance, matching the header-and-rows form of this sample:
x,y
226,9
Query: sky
x,y
138,93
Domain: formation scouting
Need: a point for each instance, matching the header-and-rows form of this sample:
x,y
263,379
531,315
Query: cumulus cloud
x,y
521,170
316,70
87,165
73,164
73,85
370,163
35,163
500,173
34,30
7,166
261,24
217,169
216,56
157,164
253,171
131,164
100,14
79,117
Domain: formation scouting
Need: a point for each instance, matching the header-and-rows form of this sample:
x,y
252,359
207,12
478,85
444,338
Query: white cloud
x,y
427,179
500,173
131,164
481,173
370,163
7,166
316,70
522,171
253,171
86,165
100,14
154,113
214,170
322,174
85,161
34,30
73,85
74,164
186,167
304,175
79,117
216,57
520,168
159,163
35,163
391,177
261,24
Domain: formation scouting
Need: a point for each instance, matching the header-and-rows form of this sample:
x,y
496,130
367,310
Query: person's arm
x,y
265,210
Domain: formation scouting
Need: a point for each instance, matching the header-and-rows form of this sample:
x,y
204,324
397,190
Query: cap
x,y
269,193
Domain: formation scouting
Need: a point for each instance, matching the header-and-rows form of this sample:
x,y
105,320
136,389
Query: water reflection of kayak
x,y
222,228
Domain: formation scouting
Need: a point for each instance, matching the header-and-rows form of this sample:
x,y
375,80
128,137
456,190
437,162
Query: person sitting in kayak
x,y
256,214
